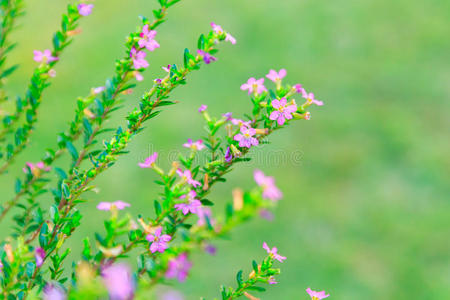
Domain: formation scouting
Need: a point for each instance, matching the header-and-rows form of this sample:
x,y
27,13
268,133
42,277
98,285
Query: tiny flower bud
x,y
248,296
74,32
262,131
9,252
175,166
88,113
206,182
238,199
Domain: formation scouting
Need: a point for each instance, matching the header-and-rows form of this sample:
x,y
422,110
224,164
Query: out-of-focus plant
x,y
34,257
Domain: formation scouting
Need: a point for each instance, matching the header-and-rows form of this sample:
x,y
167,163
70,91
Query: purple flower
x,y
210,249
179,267
159,242
266,214
149,161
207,58
45,56
316,295
85,9
53,292
147,39
119,282
187,177
192,206
245,138
267,183
198,145
273,252
202,108
228,116
39,255
138,58
283,110
276,76
110,205
228,155
310,98
172,295
254,86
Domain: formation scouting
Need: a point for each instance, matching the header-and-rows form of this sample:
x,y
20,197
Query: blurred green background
x,y
366,212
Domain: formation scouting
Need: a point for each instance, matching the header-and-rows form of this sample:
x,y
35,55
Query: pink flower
x,y
167,69
35,169
230,38
202,108
267,183
45,56
138,58
147,39
298,88
210,249
276,76
245,138
53,292
138,76
273,252
308,116
206,56
110,205
217,28
179,267
85,9
240,122
310,98
198,145
98,90
192,206
316,295
39,255
159,242
204,213
283,111
187,177
254,86
149,161
119,282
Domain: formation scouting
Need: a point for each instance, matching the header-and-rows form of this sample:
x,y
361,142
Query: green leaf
x,y
18,186
158,208
66,191
239,278
72,150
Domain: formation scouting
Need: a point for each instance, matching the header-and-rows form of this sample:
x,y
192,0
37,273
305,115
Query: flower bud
x,y
238,199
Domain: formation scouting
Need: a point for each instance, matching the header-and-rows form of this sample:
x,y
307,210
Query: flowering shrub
x,y
34,258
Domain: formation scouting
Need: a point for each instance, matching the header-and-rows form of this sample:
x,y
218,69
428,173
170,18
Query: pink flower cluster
x,y
218,30
186,176
137,55
198,145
